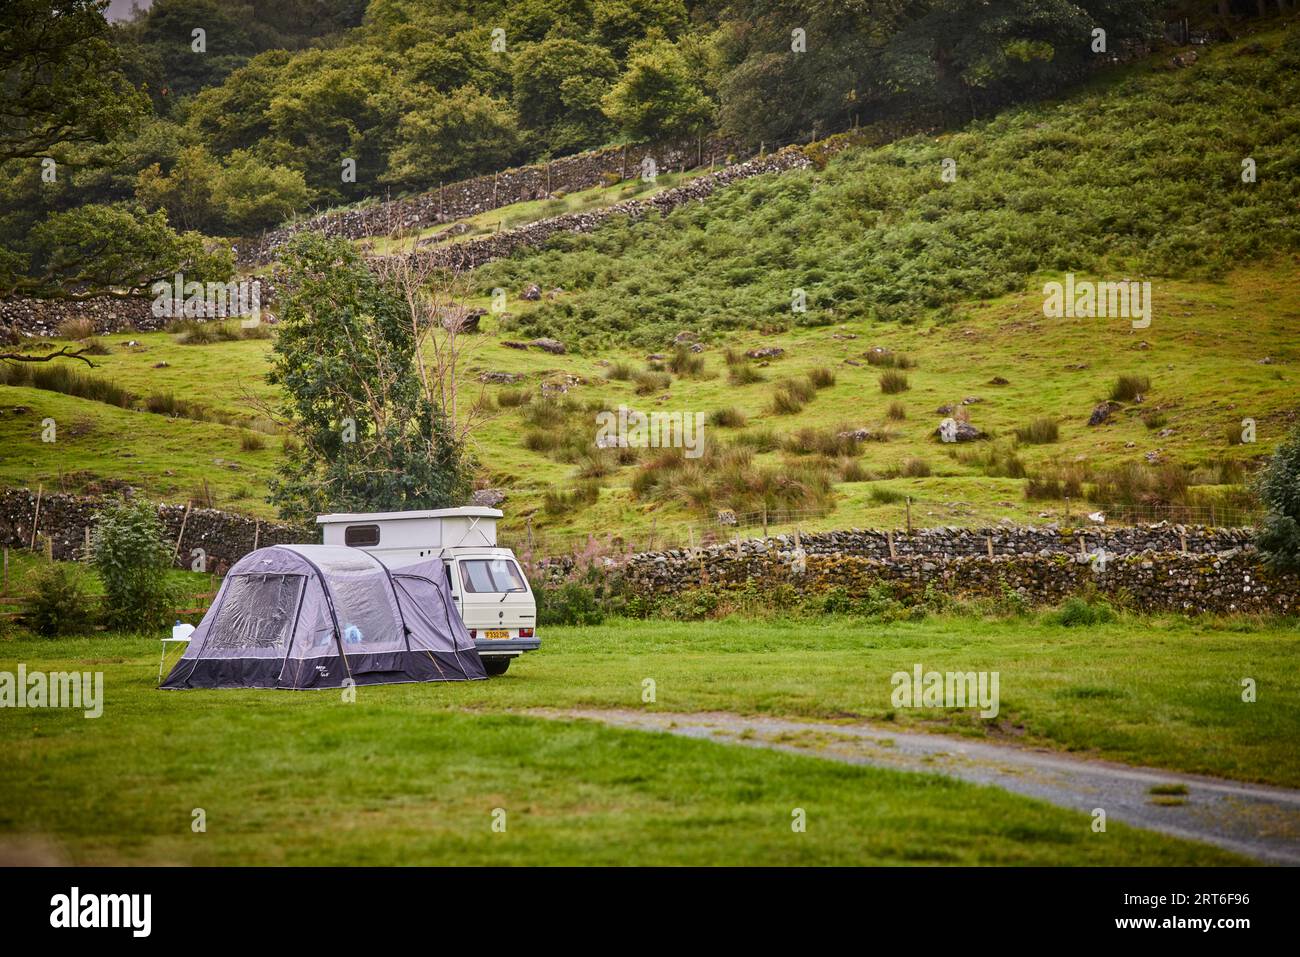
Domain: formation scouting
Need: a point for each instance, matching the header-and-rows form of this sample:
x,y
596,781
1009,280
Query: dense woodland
x,y
125,144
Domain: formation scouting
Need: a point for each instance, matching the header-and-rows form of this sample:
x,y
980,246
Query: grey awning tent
x,y
316,616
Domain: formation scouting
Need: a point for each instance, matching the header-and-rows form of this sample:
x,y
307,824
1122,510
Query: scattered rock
x,y
1102,412
161,365
515,345
998,380
532,292
964,432
553,346
488,497
501,378
766,352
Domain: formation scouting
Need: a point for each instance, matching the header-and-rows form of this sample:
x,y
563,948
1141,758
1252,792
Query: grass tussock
x,y
1041,431
1130,388
893,382
728,478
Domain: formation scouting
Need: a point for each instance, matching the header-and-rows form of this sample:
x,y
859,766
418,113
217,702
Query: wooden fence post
x,y
909,515
37,518
989,539
184,518
889,537
4,589
764,521
257,533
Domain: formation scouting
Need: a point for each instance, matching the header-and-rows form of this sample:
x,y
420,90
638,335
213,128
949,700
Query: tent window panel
x,y
258,611
492,576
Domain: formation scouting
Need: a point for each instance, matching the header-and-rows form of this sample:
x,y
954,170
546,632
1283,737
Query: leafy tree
x,y
185,192
452,137
250,195
241,195
558,85
117,249
967,54
375,434
657,97
330,105
621,23
62,79
769,91
231,36
236,114
1278,486
128,550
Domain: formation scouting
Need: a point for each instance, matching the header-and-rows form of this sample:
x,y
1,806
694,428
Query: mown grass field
x,y
412,773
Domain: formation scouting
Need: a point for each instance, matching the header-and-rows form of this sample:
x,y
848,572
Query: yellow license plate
x,y
496,633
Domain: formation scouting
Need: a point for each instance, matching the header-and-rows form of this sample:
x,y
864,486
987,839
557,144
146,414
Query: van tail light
x,y
473,632
525,633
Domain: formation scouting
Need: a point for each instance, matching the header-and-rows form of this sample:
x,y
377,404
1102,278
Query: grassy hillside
x,y
1136,177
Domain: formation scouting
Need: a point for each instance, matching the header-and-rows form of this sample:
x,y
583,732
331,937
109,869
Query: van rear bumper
x,y
506,646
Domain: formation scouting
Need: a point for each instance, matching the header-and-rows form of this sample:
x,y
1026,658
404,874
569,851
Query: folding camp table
x,y
180,636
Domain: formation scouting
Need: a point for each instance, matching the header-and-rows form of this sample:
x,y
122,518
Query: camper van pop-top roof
x,y
469,525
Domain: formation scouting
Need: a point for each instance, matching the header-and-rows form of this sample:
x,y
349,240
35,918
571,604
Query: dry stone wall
x,y
1146,565
224,537
470,197
1219,571
475,252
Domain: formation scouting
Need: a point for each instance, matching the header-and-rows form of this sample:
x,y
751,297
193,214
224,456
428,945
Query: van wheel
x,y
496,665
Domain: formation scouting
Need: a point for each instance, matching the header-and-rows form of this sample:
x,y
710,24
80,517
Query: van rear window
x,y
491,575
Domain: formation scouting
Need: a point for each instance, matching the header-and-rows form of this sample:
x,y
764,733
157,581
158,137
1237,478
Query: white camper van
x,y
487,584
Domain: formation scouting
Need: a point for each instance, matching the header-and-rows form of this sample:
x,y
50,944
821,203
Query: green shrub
x,y
1078,612
128,551
619,371
568,604
57,601
1278,487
